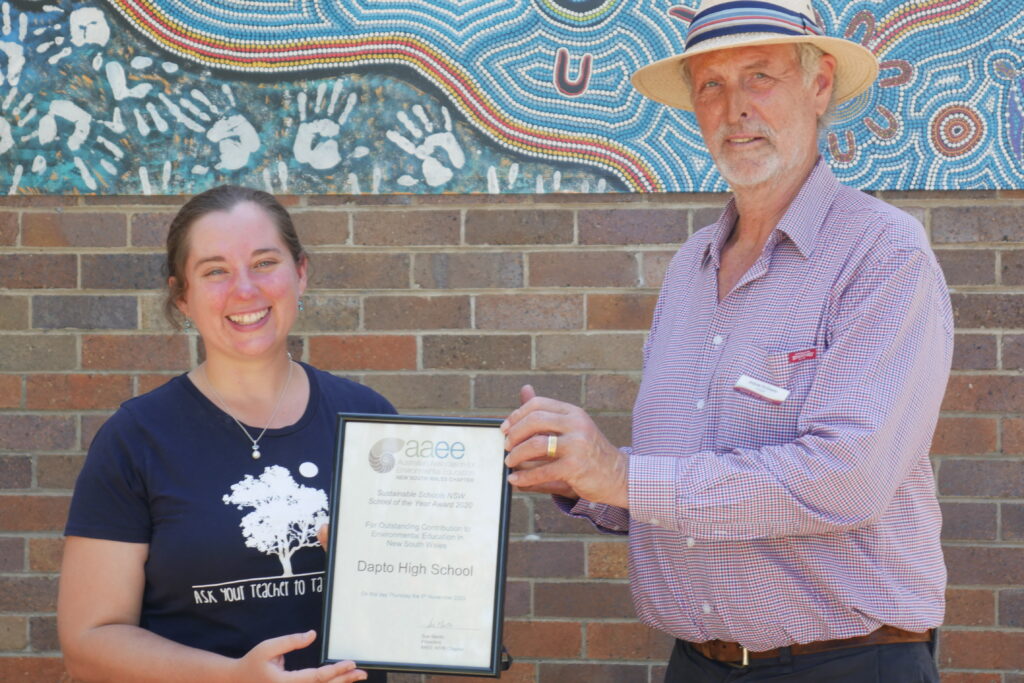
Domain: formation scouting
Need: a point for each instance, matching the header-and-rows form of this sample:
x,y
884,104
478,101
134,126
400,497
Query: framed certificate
x,y
418,540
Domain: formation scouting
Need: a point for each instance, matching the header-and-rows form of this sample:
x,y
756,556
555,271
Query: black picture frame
x,y
436,478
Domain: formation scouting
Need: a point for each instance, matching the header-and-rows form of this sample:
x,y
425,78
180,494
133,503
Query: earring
x,y
302,305
188,324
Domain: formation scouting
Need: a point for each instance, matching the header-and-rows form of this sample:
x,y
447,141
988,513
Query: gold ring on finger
x,y
552,446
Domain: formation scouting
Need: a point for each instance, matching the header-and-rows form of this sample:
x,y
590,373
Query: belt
x,y
734,653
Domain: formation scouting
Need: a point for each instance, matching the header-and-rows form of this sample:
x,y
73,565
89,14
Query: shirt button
x,y
593,506
718,339
690,543
700,404
706,607
655,521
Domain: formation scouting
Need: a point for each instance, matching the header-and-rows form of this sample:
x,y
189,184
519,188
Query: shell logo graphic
x,y
382,454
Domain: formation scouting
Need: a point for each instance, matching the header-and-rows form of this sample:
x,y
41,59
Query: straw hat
x,y
723,24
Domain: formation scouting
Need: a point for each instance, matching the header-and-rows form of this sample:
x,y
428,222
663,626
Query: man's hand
x,y
585,465
558,488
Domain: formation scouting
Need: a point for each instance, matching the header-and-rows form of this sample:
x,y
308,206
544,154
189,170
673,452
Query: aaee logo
x,y
384,452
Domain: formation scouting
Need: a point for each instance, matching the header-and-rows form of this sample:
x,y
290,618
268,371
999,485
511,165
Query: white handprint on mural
x,y
237,140
50,129
66,129
119,87
65,110
234,135
316,141
425,144
85,26
12,53
88,26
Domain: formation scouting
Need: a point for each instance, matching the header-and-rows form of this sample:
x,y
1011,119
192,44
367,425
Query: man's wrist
x,y
619,491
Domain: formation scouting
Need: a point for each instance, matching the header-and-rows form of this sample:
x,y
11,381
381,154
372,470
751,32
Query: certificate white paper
x,y
418,538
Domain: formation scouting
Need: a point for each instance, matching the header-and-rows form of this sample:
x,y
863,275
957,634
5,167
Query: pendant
x,y
255,452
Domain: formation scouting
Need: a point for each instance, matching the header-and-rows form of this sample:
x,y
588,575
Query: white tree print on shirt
x,y
285,515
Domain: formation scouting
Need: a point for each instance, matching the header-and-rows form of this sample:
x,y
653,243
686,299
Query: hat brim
x,y
662,81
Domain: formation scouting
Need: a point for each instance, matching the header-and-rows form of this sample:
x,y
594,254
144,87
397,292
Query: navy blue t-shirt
x,y
233,555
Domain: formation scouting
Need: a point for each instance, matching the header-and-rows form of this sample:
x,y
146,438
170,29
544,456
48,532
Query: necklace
x,y
224,405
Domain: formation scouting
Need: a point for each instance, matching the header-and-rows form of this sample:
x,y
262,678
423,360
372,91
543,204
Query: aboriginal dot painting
x,y
475,96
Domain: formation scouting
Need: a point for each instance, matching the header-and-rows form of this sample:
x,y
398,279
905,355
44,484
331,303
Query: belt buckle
x,y
744,659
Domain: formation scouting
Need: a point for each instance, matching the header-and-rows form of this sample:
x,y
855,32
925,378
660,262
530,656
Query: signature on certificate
x,y
442,625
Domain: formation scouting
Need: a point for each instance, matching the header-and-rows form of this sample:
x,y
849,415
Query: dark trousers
x,y
892,663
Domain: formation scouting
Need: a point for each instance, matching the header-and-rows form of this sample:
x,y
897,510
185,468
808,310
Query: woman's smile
x,y
249,319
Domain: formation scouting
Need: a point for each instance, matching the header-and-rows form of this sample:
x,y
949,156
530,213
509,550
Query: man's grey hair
x,y
809,57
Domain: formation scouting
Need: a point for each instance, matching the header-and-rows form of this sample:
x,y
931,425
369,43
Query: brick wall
x,y
447,305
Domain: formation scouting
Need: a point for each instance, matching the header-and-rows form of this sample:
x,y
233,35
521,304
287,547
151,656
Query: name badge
x,y
755,387
806,354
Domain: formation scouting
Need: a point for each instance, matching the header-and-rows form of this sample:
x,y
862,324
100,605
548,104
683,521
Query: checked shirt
x,y
769,522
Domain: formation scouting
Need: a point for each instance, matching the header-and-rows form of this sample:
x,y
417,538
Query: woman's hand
x,y
101,586
265,662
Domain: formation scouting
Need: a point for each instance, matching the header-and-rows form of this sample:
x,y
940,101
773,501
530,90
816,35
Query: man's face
x,y
758,113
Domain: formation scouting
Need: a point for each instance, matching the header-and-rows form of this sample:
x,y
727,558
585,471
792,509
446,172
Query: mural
x,y
478,96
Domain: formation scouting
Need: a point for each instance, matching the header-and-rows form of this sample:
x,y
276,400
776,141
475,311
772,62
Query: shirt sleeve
x,y
867,420
609,519
606,518
110,500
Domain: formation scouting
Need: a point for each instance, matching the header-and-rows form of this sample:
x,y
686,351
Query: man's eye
x,y
265,263
214,271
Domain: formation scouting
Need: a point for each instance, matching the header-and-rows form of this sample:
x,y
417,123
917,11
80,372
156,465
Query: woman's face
x,y
243,284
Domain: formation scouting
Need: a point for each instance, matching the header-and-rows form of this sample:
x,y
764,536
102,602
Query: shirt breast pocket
x,y
762,394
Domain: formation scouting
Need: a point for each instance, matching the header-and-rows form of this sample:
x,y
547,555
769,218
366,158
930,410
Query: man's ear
x,y
824,82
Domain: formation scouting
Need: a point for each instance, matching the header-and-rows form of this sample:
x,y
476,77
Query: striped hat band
x,y
748,16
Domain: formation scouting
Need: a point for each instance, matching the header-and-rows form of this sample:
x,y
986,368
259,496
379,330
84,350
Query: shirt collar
x,y
801,222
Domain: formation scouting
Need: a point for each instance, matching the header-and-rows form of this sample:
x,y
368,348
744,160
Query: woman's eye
x,y
214,271
265,263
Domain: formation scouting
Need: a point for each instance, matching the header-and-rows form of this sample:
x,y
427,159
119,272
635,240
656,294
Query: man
x,y
778,494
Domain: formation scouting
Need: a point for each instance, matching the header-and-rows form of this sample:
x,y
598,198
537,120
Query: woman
x,y
191,547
